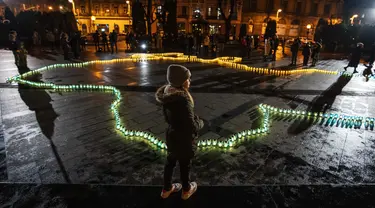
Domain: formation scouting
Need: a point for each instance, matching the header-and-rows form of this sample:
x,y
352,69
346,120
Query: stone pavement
x,y
54,137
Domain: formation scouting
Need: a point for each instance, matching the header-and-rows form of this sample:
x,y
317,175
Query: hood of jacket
x,y
167,94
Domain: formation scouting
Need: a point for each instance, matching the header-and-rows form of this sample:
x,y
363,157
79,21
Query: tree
x,y
270,29
138,17
169,16
221,5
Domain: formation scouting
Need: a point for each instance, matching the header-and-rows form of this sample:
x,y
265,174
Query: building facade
x,y
101,15
294,17
189,14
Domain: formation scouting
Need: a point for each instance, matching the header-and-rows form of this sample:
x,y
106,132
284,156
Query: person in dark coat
x,y
275,46
355,57
316,52
105,41
294,48
65,46
113,40
306,53
96,37
183,127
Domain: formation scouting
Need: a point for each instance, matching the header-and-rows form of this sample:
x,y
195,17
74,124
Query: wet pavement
x,y
69,137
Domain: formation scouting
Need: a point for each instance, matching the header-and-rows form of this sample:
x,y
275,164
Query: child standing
x,y
183,127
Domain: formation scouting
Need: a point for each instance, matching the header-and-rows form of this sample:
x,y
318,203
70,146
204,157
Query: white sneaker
x,y
176,187
187,194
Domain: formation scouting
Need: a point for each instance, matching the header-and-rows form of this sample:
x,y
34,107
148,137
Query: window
x,y
83,10
270,5
314,9
327,9
115,10
184,10
97,10
126,9
209,11
298,8
253,5
284,5
218,13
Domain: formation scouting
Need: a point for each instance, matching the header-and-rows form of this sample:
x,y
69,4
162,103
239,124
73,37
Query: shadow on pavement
x,y
321,103
40,102
43,55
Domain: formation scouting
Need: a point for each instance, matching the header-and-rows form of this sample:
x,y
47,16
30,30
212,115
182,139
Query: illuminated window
x,y
125,9
218,13
97,10
115,10
184,10
327,9
298,8
83,9
209,11
314,9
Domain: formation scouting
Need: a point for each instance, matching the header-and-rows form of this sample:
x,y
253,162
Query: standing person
x,y
127,41
13,45
183,127
198,43
74,43
355,57
275,46
306,52
372,55
36,39
51,40
22,57
294,48
249,41
283,44
105,41
113,41
206,44
316,52
191,44
65,46
267,48
83,41
96,37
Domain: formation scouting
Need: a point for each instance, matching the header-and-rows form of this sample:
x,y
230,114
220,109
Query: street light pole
x,y
73,6
277,14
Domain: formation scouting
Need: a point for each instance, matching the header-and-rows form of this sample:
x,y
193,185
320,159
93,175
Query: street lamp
x,y
74,7
50,8
277,14
61,7
128,3
308,30
352,18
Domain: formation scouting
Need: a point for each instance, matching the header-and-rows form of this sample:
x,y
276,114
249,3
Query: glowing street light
x,y
352,18
50,8
93,18
277,14
73,5
308,30
61,7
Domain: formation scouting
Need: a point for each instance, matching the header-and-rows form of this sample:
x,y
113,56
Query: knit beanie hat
x,y
177,75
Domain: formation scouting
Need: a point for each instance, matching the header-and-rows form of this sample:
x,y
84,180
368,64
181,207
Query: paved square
x,y
53,137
